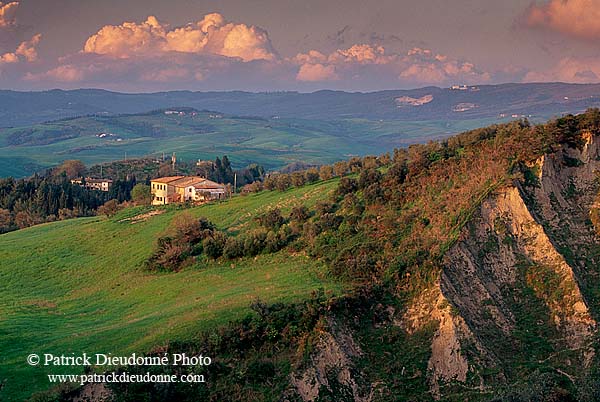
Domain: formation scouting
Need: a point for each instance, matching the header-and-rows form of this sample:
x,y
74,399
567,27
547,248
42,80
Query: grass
x,y
77,286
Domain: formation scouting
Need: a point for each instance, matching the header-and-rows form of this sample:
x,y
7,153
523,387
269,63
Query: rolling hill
x,y
542,101
192,135
459,270
83,287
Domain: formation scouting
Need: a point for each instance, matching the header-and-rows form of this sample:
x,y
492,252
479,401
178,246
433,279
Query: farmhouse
x,y
166,190
93,184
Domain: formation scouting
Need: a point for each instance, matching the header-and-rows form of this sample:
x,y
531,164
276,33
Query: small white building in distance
x,y
93,184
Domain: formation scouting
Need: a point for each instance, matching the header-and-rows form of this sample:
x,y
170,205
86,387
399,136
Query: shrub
x,y
340,168
185,240
110,208
213,245
311,175
326,172
270,182
299,213
272,219
141,194
234,248
325,207
368,177
254,243
275,241
346,186
283,182
298,179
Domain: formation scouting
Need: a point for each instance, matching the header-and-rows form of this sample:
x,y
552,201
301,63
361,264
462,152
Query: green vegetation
x,y
81,285
272,143
382,228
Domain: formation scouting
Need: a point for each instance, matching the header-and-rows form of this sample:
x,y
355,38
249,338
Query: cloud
x,y
574,70
26,52
65,73
418,66
212,35
28,49
316,72
7,14
214,53
577,18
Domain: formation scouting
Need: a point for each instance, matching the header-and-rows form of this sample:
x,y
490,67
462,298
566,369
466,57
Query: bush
x,y
368,177
325,207
234,248
110,208
359,262
340,168
186,240
141,194
283,182
254,243
272,219
299,213
326,172
275,241
298,179
213,245
311,175
346,186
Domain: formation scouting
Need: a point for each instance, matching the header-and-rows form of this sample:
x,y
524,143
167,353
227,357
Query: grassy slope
x,y
76,286
272,143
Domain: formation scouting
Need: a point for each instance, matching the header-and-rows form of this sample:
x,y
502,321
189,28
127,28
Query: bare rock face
x,y
447,362
520,275
510,261
331,369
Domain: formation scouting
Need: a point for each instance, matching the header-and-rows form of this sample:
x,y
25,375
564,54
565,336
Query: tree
x,y
272,219
326,172
299,213
298,179
141,194
340,168
5,220
311,175
283,182
71,168
109,208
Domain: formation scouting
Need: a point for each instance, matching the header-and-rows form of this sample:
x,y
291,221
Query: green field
x,y
272,143
78,285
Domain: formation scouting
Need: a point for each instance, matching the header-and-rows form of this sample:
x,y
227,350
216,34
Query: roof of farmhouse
x,y
167,180
189,181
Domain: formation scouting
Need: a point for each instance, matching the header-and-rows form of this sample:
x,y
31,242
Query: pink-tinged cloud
x,y
212,35
577,18
316,72
574,70
65,73
418,65
7,13
213,53
28,49
25,52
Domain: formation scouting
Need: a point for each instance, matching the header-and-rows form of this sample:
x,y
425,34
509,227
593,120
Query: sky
x,y
302,45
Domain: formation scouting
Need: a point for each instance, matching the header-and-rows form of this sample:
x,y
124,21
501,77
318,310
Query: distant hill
x,y
540,100
192,134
